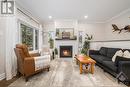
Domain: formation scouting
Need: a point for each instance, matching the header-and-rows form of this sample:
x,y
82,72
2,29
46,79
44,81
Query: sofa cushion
x,y
103,51
112,51
100,58
110,65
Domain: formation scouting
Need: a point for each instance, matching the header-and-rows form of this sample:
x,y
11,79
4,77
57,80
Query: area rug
x,y
65,73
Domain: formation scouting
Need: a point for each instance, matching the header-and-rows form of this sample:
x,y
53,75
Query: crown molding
x,y
121,13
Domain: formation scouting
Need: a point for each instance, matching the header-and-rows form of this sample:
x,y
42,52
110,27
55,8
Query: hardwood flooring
x,y
5,83
65,73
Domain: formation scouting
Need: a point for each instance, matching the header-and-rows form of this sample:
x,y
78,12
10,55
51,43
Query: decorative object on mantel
x,y
75,38
86,45
115,28
65,33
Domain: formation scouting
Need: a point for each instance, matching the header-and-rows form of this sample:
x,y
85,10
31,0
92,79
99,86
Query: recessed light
x,y
85,16
50,17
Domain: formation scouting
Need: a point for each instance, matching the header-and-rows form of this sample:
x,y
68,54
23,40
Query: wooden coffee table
x,y
83,59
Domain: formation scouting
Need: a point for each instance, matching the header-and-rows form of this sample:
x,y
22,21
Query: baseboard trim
x,y
2,76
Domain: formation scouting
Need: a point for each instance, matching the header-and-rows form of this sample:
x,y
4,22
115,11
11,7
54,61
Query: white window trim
x,y
20,34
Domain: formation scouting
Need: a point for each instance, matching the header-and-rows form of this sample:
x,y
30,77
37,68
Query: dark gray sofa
x,y
103,57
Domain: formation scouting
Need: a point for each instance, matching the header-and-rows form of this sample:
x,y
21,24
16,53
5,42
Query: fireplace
x,y
66,51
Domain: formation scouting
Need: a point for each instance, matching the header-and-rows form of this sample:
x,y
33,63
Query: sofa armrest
x,y
124,72
124,66
94,52
29,66
119,58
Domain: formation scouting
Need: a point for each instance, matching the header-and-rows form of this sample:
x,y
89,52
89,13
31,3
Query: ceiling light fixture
x,y
85,16
50,17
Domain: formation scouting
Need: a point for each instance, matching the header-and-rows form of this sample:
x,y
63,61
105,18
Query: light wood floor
x,y
65,73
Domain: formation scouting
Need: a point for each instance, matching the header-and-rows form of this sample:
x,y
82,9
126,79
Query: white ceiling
x,y
97,10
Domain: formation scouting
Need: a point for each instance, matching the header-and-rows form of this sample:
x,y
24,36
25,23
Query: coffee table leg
x,y
92,68
81,68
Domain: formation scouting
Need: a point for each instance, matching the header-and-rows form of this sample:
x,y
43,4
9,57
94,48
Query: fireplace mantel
x,y
65,39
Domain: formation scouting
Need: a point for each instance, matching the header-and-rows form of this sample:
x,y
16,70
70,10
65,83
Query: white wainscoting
x,y
114,44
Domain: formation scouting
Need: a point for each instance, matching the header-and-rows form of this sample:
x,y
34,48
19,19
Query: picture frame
x,y
65,32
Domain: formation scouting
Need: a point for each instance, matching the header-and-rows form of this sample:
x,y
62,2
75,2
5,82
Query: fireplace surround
x,y
66,51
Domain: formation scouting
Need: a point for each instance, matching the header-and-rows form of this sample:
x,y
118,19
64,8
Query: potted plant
x,y
51,41
86,45
56,53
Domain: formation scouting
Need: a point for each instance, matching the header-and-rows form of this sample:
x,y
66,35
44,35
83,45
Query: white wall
x,y
48,26
120,20
65,23
103,31
95,29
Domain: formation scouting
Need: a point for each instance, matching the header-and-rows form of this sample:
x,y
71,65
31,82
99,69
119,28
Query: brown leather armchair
x,y
26,61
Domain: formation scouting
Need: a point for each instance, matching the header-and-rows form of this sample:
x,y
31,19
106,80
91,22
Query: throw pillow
x,y
126,54
118,53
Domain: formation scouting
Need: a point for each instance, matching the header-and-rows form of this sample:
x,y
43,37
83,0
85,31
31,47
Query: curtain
x,y
11,39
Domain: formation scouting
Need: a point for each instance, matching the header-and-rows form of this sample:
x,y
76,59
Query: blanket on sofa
x,y
41,61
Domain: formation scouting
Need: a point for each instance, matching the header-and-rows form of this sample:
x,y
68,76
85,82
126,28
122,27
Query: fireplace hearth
x,y
66,51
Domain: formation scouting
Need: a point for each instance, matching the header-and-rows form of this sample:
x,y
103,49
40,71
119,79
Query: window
x,y
52,34
29,36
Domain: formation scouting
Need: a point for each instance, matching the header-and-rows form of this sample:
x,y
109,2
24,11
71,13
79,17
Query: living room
x,y
63,33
